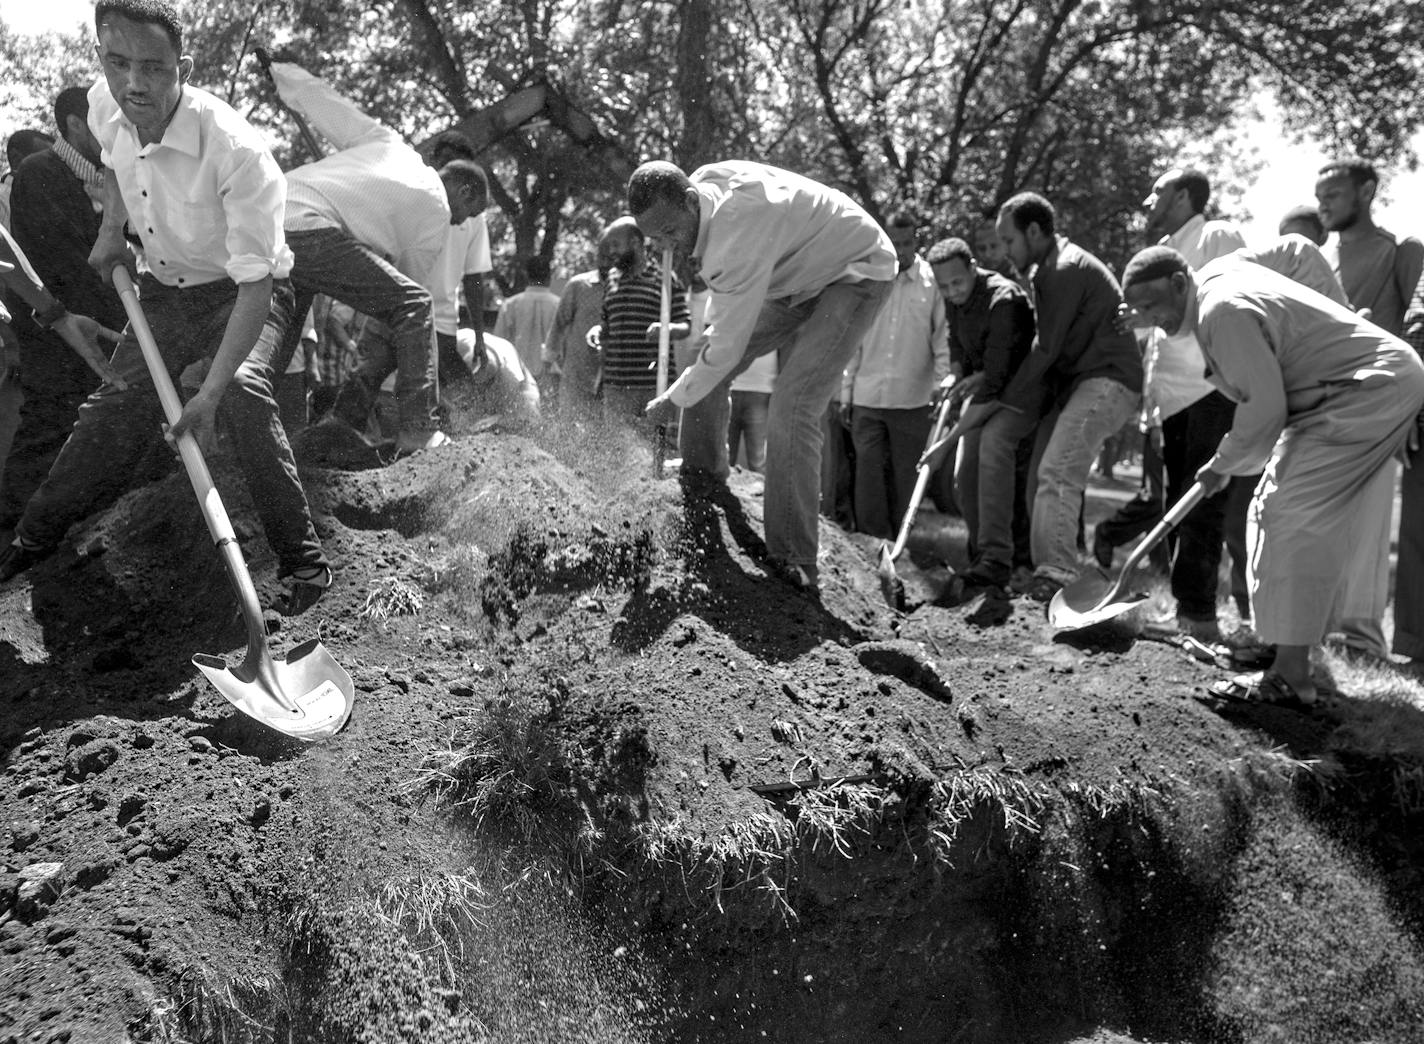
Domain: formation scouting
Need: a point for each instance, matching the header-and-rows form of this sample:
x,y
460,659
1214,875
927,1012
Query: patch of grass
x,y
392,597
510,772
437,910
206,1007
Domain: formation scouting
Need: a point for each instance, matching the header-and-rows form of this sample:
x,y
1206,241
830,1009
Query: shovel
x,y
891,587
664,350
1094,597
307,695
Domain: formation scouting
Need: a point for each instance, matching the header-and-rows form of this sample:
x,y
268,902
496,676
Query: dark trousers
x,y
1189,439
1409,576
1143,511
888,445
1023,510
1238,506
837,469
328,261
115,428
54,388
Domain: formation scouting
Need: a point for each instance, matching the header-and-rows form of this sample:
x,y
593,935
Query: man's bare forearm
x,y
244,326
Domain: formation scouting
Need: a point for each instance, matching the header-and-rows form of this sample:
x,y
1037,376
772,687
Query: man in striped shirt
x,y
628,336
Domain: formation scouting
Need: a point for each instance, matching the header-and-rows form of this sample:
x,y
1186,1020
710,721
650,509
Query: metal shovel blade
x,y
892,588
307,695
1093,598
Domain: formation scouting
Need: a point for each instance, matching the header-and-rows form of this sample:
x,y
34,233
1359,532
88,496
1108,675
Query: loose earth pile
x,y
607,780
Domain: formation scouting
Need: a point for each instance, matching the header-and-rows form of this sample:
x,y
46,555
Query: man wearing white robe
x,y
1328,400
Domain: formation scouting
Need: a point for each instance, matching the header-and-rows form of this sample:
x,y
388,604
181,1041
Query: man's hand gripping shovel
x,y
307,695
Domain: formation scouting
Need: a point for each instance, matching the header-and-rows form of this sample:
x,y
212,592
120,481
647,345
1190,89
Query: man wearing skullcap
x,y
1325,401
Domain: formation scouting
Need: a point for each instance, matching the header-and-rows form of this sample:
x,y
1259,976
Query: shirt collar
x,y
183,133
911,271
1189,232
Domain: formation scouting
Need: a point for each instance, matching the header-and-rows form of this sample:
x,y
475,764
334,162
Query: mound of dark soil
x,y
607,779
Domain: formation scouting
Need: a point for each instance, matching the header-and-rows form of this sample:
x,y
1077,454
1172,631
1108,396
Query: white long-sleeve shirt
x,y
769,234
906,353
206,200
1174,363
376,187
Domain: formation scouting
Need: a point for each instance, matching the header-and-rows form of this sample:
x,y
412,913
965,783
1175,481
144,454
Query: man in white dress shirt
x,y
367,225
889,383
200,188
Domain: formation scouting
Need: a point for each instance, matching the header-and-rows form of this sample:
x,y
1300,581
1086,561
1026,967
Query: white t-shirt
x,y
467,252
760,376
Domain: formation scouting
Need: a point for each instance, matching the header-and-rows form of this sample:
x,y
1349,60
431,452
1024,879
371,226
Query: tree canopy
x,y
946,107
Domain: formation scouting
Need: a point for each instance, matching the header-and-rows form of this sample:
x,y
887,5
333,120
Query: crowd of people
x,y
817,345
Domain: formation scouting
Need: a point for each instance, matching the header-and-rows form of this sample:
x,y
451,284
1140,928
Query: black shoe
x,y
1102,548
805,578
964,588
308,586
16,558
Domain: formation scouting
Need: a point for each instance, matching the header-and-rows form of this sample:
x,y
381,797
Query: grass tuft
x,y
392,597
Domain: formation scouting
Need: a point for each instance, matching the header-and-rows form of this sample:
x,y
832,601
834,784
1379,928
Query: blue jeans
x,y
1068,442
115,427
329,261
815,339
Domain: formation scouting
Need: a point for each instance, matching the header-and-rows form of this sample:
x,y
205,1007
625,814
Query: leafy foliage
x,y
36,69
944,106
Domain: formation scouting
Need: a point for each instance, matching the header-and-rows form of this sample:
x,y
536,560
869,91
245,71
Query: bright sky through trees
x,y
1286,179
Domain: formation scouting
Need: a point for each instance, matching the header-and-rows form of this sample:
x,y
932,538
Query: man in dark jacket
x,y
55,221
990,335
1090,372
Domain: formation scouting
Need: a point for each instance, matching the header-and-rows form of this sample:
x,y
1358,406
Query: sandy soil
x,y
728,810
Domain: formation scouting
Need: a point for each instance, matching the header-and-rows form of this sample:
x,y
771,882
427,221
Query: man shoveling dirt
x,y
795,268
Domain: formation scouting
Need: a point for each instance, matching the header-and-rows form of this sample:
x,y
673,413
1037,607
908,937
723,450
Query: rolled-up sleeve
x,y
1245,368
333,115
254,200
